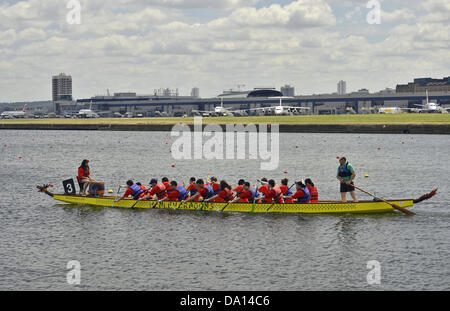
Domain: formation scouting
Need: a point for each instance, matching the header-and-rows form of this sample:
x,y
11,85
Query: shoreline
x,y
283,128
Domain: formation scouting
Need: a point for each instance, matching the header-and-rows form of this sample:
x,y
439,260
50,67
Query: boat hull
x,y
325,207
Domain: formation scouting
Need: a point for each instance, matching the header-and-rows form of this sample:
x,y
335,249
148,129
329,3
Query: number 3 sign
x,y
69,186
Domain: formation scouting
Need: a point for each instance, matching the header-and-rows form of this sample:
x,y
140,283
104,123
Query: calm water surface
x,y
174,250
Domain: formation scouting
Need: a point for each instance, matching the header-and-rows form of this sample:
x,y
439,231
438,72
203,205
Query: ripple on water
x,y
175,250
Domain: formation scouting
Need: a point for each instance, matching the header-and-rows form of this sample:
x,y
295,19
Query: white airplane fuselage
x,y
14,114
87,113
280,110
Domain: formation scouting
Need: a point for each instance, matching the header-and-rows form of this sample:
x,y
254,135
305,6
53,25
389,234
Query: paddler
x,y
346,174
247,195
224,194
274,193
312,191
264,189
302,195
144,188
133,190
165,182
214,183
191,188
286,191
157,192
240,186
175,193
204,192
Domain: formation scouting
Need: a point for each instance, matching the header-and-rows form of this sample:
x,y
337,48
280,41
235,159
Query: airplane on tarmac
x,y
429,107
277,110
280,109
218,111
88,113
14,114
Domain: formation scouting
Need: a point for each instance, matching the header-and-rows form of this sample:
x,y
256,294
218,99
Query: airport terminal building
x,y
132,105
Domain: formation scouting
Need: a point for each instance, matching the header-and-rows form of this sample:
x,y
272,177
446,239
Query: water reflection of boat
x,y
323,207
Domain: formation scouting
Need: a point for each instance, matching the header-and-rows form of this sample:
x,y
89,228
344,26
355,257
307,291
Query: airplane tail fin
x,y
25,107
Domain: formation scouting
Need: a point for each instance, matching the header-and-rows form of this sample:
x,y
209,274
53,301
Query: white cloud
x,y
132,45
399,15
221,4
301,13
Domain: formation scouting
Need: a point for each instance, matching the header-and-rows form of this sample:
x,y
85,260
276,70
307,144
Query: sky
x,y
216,45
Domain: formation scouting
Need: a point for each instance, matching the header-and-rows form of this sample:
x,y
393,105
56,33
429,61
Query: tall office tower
x,y
342,88
61,87
288,90
195,92
61,90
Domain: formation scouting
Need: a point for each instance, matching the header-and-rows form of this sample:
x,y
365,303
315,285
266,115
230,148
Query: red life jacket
x,y
215,187
278,197
314,194
287,192
144,188
239,188
263,189
160,190
228,194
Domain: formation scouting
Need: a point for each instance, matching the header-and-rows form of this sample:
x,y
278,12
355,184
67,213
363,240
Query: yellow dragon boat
x,y
323,207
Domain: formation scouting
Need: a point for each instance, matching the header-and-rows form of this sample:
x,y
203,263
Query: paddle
x,y
117,194
137,201
231,200
401,209
277,197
